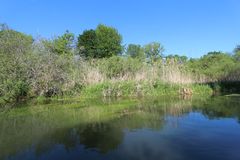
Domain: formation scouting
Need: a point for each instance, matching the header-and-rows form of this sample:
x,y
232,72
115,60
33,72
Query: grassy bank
x,y
138,89
127,89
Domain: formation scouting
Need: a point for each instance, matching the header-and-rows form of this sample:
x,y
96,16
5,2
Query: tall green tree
x,y
154,51
109,41
135,51
87,44
100,43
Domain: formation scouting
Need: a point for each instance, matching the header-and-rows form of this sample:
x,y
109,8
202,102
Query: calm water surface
x,y
150,129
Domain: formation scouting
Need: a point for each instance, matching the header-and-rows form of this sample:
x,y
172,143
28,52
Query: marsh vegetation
x,y
97,64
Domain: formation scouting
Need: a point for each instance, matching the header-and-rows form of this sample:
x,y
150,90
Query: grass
x,y
117,89
144,88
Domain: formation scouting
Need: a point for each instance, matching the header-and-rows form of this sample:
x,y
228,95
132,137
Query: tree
x,y
87,44
214,65
100,43
135,51
109,41
154,51
237,53
62,45
179,59
237,49
237,56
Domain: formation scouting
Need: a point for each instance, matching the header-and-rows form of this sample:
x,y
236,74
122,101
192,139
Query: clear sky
x,y
185,27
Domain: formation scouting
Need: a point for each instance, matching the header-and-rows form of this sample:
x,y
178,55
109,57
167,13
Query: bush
x,y
52,74
38,72
14,51
115,67
200,89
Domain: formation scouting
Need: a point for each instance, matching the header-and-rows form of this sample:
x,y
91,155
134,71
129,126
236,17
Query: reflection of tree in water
x,y
99,136
103,136
108,135
224,107
44,131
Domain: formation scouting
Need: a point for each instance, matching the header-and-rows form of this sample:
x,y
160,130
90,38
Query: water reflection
x,y
167,128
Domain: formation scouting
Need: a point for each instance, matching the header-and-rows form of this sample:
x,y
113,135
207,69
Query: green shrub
x,y
200,89
119,66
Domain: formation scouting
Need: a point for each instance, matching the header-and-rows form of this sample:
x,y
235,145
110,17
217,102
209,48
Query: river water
x,y
126,129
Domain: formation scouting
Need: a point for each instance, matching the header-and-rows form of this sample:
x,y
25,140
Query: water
x,y
151,129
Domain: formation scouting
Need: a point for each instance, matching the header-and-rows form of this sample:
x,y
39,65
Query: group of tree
x,y
21,69
152,51
104,42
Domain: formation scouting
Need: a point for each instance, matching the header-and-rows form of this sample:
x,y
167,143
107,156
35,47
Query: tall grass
x,y
129,69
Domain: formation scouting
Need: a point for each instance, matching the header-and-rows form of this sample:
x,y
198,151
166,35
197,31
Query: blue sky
x,y
185,27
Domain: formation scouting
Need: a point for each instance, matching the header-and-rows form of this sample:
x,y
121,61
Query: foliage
x,y
237,49
36,72
100,43
204,90
119,66
50,67
87,44
135,51
237,56
12,42
154,51
62,45
14,50
139,89
214,65
109,41
177,58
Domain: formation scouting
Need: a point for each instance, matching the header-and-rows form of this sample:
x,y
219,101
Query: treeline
x,y
66,64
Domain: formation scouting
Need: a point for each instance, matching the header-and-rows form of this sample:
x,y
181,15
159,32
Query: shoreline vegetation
x,y
97,64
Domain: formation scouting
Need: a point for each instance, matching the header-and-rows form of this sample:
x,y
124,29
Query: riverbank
x,y
128,89
145,88
134,89
61,67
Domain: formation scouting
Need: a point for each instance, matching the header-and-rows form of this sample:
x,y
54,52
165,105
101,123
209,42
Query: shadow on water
x,y
101,129
225,87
